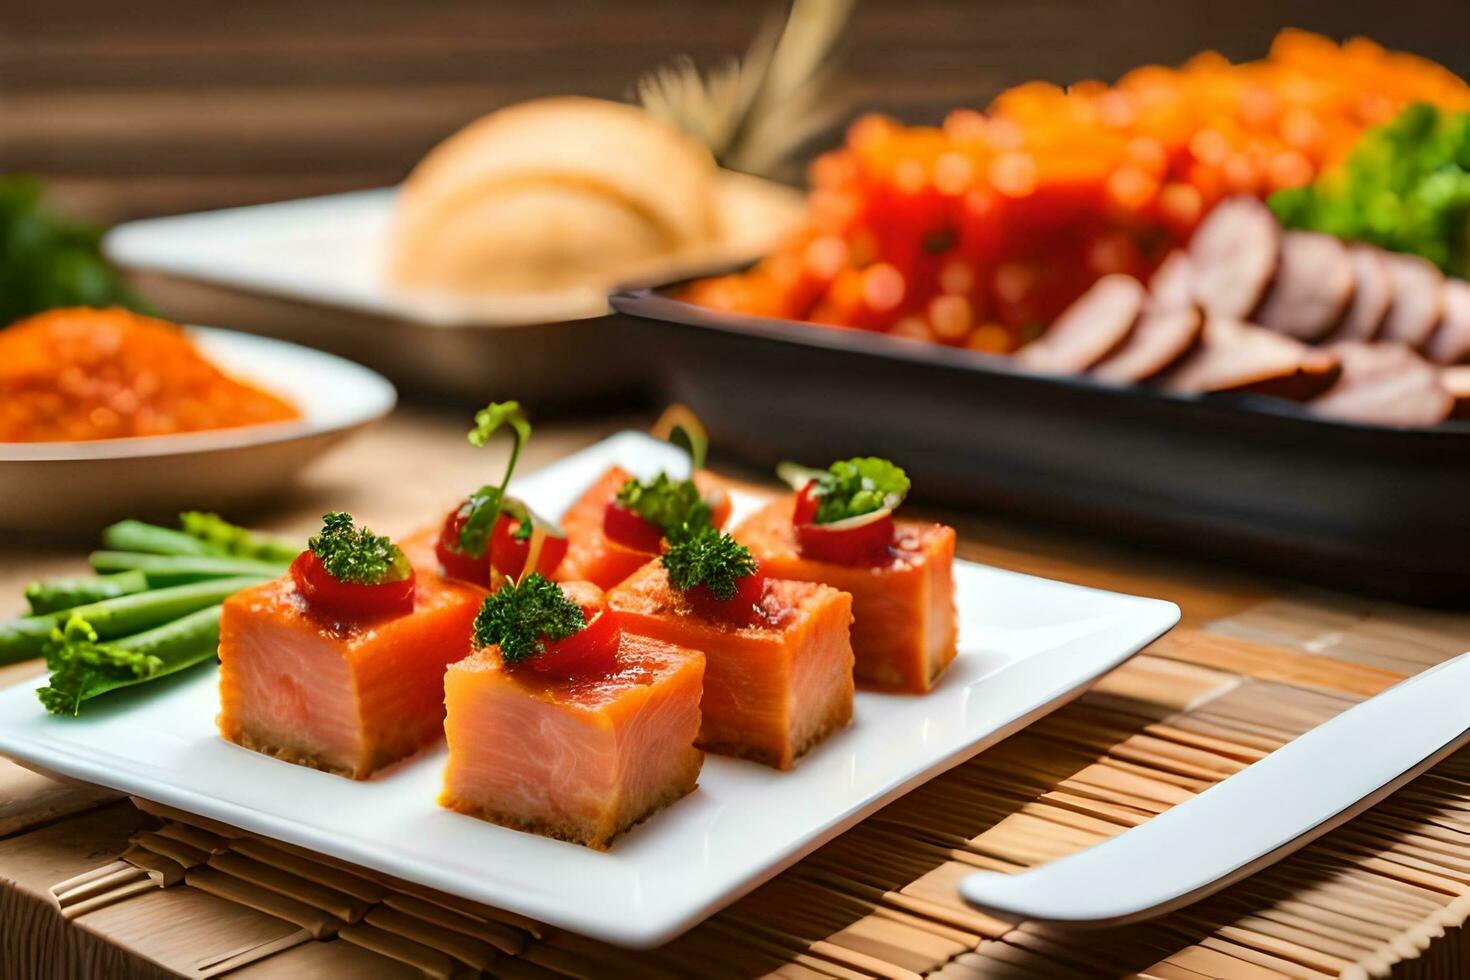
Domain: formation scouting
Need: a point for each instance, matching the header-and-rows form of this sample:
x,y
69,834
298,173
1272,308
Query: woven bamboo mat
x,y
1385,893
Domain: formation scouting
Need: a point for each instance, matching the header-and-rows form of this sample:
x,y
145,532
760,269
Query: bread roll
x,y
551,194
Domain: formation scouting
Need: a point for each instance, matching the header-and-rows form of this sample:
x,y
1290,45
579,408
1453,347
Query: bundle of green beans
x,y
152,609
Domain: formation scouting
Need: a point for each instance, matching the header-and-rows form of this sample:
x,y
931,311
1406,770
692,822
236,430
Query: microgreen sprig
x,y
486,503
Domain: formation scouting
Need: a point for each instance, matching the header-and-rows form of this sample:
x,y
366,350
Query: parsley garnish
x,y
853,487
357,556
485,503
674,506
522,616
710,558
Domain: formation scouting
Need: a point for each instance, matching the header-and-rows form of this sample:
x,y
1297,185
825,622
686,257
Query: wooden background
x,y
155,106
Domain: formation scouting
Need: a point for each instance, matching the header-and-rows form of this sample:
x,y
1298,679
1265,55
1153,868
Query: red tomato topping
x,y
456,563
350,600
591,650
807,502
863,545
866,544
738,610
508,554
628,528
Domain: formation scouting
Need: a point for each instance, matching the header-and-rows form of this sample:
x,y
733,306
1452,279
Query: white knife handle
x,y
1243,823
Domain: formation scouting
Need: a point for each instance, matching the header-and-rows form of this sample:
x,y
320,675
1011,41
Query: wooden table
x,y
1252,664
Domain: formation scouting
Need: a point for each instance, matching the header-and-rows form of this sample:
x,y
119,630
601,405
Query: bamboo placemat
x,y
1385,893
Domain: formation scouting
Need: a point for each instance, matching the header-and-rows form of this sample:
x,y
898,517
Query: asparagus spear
x,y
22,639
65,593
162,570
83,667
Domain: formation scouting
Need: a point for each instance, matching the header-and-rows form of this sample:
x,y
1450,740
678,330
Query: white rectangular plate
x,y
1027,645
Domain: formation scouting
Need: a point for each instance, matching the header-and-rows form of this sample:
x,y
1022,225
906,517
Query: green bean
x,y
64,593
163,570
22,639
155,540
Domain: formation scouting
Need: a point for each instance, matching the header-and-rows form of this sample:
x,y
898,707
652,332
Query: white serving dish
x,y
1027,645
79,486
312,271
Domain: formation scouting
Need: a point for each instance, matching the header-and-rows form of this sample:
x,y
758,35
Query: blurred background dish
x,y
1001,170
74,487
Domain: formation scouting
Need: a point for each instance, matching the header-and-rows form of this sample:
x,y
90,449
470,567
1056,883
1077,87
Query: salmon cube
x,y
904,623
579,759
591,555
345,698
772,689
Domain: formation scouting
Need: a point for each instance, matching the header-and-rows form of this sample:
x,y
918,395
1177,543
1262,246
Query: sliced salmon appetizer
x,y
587,737
899,573
594,555
345,692
776,683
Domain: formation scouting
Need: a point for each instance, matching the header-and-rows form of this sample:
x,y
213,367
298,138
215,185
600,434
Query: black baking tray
x,y
1376,509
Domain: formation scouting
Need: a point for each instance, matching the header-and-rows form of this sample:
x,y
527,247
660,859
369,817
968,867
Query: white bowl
x,y
79,486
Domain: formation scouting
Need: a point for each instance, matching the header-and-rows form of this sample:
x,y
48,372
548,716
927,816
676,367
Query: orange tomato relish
x,y
977,233
82,374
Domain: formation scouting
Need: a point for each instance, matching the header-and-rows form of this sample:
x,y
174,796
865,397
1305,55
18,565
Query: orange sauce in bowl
x,y
82,374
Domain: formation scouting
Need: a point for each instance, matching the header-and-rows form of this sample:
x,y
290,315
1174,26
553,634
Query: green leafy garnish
x,y
674,506
47,261
77,660
1405,187
84,667
357,555
710,558
485,503
239,542
853,487
522,616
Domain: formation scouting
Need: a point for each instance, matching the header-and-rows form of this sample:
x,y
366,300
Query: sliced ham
x,y
1172,284
1385,384
1450,343
1241,357
1160,340
1312,289
1372,297
1093,327
1418,299
1235,254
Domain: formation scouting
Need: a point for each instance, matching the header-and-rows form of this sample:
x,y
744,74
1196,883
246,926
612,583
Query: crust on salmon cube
x,y
580,759
773,689
347,698
591,555
904,622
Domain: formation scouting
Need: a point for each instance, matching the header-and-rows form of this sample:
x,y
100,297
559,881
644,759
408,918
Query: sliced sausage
x,y
1172,284
1093,327
1456,381
1385,384
1235,252
1312,289
1371,298
1418,300
1160,340
1241,357
1450,342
